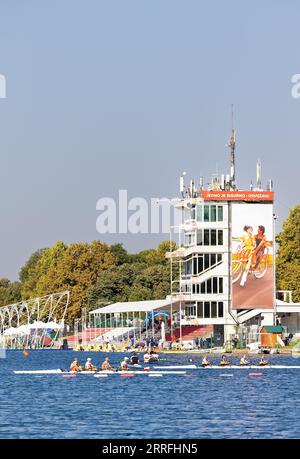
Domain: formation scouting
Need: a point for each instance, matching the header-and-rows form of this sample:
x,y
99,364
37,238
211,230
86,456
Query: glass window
x,y
195,271
203,288
220,213
213,237
199,237
206,261
188,267
219,257
200,213
220,309
220,237
200,264
220,284
206,213
200,309
212,259
214,309
193,213
215,285
213,213
206,310
208,286
206,237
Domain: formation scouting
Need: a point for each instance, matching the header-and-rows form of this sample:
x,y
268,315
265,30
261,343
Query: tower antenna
x,y
232,145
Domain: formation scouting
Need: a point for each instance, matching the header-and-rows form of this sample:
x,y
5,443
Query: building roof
x,y
273,329
135,306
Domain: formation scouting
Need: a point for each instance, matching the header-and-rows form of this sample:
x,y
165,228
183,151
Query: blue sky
x,y
109,95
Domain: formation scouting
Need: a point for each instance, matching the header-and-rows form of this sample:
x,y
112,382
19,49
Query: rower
x,y
154,357
244,361
134,359
89,365
106,365
75,365
147,357
124,364
204,362
263,361
224,361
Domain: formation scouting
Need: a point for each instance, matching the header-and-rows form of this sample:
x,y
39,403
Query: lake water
x,y
203,404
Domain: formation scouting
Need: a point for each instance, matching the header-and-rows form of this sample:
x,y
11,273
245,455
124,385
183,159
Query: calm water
x,y
203,405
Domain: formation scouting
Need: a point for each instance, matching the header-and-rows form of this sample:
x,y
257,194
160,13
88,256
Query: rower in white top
x,y
244,361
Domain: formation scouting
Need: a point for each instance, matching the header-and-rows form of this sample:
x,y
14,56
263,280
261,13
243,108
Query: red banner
x,y
218,195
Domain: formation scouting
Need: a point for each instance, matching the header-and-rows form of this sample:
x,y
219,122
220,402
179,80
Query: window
x,y
220,237
213,213
213,309
210,309
207,213
213,259
208,286
199,237
206,237
206,310
197,263
220,309
200,309
214,285
200,213
206,261
213,237
220,213
189,238
220,284
190,310
210,237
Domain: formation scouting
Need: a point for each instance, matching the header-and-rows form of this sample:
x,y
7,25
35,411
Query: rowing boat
x,y
232,367
96,373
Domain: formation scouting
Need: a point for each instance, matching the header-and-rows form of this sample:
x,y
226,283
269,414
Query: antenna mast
x,y
231,145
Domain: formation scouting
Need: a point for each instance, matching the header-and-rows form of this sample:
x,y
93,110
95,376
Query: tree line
x,y
95,274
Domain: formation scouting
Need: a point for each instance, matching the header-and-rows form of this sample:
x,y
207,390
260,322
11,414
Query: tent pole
x,y
152,324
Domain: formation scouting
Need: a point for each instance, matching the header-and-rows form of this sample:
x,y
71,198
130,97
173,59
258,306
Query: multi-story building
x,y
226,274
222,271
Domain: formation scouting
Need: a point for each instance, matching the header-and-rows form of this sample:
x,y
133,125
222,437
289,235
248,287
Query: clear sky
x,y
109,95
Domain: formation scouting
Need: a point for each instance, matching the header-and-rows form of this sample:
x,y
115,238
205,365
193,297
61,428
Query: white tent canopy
x,y
136,306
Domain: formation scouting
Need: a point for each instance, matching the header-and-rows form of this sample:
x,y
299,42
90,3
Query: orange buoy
x,y
25,353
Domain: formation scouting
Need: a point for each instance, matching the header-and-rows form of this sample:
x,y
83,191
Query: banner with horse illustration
x,y
252,256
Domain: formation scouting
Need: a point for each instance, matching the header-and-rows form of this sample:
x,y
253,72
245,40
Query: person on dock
x,y
124,364
134,359
244,361
75,365
89,365
224,361
263,361
106,365
205,362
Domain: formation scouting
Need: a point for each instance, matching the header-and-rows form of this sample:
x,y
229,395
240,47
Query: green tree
x,y
10,292
288,255
77,271
30,273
